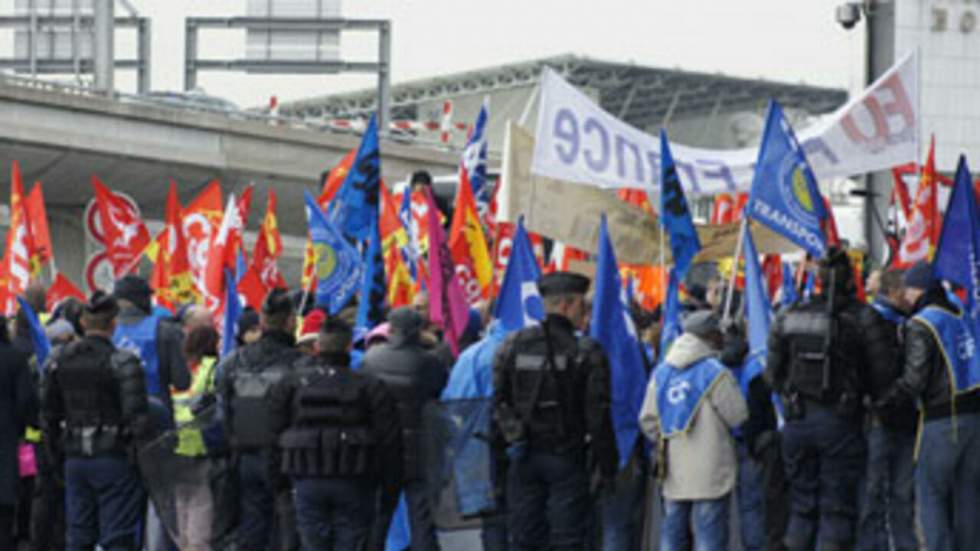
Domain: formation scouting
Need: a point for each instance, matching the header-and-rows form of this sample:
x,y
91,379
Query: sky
x,y
780,40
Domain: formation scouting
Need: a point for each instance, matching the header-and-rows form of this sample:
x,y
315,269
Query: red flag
x,y
224,251
830,225
636,197
268,248
723,211
252,288
37,217
125,234
17,255
468,246
335,178
60,289
922,229
901,192
772,270
171,277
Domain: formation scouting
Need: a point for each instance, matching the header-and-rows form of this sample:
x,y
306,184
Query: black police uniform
x,y
817,364
245,378
340,442
95,414
552,408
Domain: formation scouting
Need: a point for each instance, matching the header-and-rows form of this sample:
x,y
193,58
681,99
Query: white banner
x,y
578,141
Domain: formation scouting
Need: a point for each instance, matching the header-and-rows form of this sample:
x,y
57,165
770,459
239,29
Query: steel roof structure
x,y
646,97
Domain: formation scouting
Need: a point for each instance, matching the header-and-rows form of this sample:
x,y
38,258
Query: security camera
x,y
848,15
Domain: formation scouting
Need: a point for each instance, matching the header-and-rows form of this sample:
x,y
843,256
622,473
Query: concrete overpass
x,y
62,135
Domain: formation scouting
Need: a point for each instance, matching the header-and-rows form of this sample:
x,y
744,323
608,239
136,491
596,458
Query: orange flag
x,y
37,218
401,288
125,234
268,248
468,246
17,256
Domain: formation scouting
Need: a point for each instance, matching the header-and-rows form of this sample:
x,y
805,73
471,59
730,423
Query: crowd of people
x,y
308,432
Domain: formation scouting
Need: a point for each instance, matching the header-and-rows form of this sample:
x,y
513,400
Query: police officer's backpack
x,y
251,379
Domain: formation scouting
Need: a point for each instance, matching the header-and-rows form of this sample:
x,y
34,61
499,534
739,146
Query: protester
x,y
414,376
472,377
194,316
947,473
309,331
244,379
817,363
194,503
887,515
691,406
18,408
95,415
551,394
340,443
158,343
249,330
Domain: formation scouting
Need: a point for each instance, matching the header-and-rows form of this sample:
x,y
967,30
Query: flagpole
x,y
306,294
726,316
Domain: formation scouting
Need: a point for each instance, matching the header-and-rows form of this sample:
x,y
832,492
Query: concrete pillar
x,y
104,50
880,49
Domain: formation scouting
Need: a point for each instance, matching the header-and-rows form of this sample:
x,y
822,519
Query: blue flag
x,y
233,311
371,308
356,203
674,214
410,252
958,253
757,309
519,302
790,295
42,347
399,531
474,163
338,266
672,315
612,326
784,193
241,266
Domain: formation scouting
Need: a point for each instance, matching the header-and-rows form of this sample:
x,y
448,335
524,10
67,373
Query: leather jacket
x,y
884,344
414,376
925,376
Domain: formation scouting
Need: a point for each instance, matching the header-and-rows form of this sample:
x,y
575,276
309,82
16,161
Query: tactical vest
x,y
190,441
958,345
817,372
331,433
89,389
251,381
548,390
680,393
141,339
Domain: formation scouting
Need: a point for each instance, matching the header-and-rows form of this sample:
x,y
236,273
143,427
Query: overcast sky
x,y
795,41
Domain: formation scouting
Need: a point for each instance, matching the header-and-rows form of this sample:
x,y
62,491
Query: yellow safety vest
x,y
190,441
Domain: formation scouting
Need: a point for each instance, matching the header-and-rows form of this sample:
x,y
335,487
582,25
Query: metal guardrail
x,y
251,115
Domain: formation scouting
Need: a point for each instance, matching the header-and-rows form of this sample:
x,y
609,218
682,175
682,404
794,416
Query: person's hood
x,y
687,350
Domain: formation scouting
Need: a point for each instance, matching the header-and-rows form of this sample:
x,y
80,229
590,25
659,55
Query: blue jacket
x,y
472,375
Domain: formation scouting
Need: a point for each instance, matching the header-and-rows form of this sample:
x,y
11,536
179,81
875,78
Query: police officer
x,y
816,363
340,443
244,379
157,341
96,413
551,405
940,363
